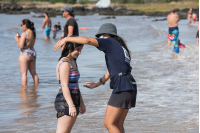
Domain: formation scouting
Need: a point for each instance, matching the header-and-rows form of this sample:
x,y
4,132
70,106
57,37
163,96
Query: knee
x,y
23,74
120,125
107,124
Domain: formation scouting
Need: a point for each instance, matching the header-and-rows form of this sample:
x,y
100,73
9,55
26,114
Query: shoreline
x,y
87,9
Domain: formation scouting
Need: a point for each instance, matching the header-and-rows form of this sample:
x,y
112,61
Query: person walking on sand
x,y
27,57
69,101
46,25
173,20
194,17
189,16
118,60
71,27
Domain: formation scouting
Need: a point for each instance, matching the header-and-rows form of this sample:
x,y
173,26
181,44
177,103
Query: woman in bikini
x,y
118,59
68,102
27,57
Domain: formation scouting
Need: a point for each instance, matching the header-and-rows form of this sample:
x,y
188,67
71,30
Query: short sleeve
x,y
104,44
71,22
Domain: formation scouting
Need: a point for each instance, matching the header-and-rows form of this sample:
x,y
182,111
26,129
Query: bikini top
x,y
74,76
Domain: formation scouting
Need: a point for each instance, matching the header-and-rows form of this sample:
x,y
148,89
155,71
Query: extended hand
x,y
82,108
59,44
91,85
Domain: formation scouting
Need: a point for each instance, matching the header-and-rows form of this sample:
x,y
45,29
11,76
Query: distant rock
x,y
84,10
112,17
160,19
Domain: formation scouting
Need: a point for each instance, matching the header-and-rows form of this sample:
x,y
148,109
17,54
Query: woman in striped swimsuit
x,y
68,102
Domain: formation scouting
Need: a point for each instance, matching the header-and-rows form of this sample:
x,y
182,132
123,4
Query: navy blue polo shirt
x,y
117,61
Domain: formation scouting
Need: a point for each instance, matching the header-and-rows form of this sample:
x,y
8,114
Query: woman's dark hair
x,y
122,42
47,14
69,47
29,25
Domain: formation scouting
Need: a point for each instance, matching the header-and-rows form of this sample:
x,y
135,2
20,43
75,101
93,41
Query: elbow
x,y
21,47
64,86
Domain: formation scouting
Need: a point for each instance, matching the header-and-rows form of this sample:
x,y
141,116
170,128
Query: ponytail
x,y
122,42
33,29
29,25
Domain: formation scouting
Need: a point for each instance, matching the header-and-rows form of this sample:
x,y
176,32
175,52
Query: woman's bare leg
x,y
120,121
113,114
32,70
65,124
197,42
23,66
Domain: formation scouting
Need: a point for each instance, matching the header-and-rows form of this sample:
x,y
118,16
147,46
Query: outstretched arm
x,y
103,80
79,40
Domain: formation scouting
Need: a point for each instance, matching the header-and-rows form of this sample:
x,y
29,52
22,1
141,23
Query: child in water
x,y
54,31
175,42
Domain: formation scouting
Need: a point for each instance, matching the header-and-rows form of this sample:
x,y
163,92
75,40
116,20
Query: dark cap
x,y
107,28
67,8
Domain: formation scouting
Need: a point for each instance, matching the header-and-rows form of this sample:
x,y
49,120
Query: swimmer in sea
x,y
173,20
46,26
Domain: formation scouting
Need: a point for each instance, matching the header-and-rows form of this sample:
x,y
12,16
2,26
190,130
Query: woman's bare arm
x,y
94,85
64,78
79,40
21,41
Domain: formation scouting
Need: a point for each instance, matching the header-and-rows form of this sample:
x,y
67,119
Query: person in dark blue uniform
x,y
118,58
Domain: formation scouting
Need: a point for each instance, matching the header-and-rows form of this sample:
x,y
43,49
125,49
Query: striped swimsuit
x,y
61,105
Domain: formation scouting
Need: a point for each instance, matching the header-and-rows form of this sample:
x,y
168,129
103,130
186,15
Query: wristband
x,y
101,81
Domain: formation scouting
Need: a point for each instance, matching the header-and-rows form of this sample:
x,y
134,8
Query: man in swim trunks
x,y
46,25
172,19
194,17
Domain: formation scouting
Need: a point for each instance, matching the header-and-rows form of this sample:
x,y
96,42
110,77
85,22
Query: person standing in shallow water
x,y
118,59
71,27
46,26
173,20
189,16
68,102
27,57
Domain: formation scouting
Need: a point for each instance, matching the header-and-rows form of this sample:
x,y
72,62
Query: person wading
x,y
173,20
118,60
71,26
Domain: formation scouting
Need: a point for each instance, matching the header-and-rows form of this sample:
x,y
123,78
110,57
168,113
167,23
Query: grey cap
x,y
107,28
67,8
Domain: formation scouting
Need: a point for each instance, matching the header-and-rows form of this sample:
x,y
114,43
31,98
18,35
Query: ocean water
x,y
168,89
